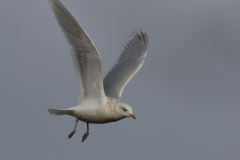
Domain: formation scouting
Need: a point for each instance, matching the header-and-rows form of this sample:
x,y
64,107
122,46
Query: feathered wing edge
x,y
86,59
128,63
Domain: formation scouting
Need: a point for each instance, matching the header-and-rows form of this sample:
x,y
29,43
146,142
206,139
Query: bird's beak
x,y
132,115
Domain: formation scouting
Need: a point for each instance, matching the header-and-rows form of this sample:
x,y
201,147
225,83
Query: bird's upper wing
x,y
127,65
86,59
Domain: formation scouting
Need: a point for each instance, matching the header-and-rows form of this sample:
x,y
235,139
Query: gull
x,y
99,98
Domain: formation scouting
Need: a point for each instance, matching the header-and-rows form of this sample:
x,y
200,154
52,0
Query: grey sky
x,y
185,97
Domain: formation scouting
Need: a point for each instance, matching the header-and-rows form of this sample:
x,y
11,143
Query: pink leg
x,y
86,134
74,130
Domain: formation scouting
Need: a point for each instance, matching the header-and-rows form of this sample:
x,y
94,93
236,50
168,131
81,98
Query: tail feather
x,y
61,111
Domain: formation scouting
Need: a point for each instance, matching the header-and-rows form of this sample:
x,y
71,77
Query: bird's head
x,y
125,110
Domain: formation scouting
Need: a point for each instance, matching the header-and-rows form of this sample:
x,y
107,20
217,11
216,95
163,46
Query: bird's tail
x,y
61,111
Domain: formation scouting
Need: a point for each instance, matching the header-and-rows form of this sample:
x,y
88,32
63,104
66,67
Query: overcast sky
x,y
186,96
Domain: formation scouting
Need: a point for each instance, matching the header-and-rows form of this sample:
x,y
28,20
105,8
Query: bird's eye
x,y
124,109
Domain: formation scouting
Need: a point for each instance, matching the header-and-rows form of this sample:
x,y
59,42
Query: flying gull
x,y
99,98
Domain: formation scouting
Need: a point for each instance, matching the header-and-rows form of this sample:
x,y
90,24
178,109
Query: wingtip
x,y
52,1
143,33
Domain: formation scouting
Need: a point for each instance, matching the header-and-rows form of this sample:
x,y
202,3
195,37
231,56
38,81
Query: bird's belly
x,y
98,119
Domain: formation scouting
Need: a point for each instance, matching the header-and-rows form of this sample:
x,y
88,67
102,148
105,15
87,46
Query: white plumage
x,y
99,98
